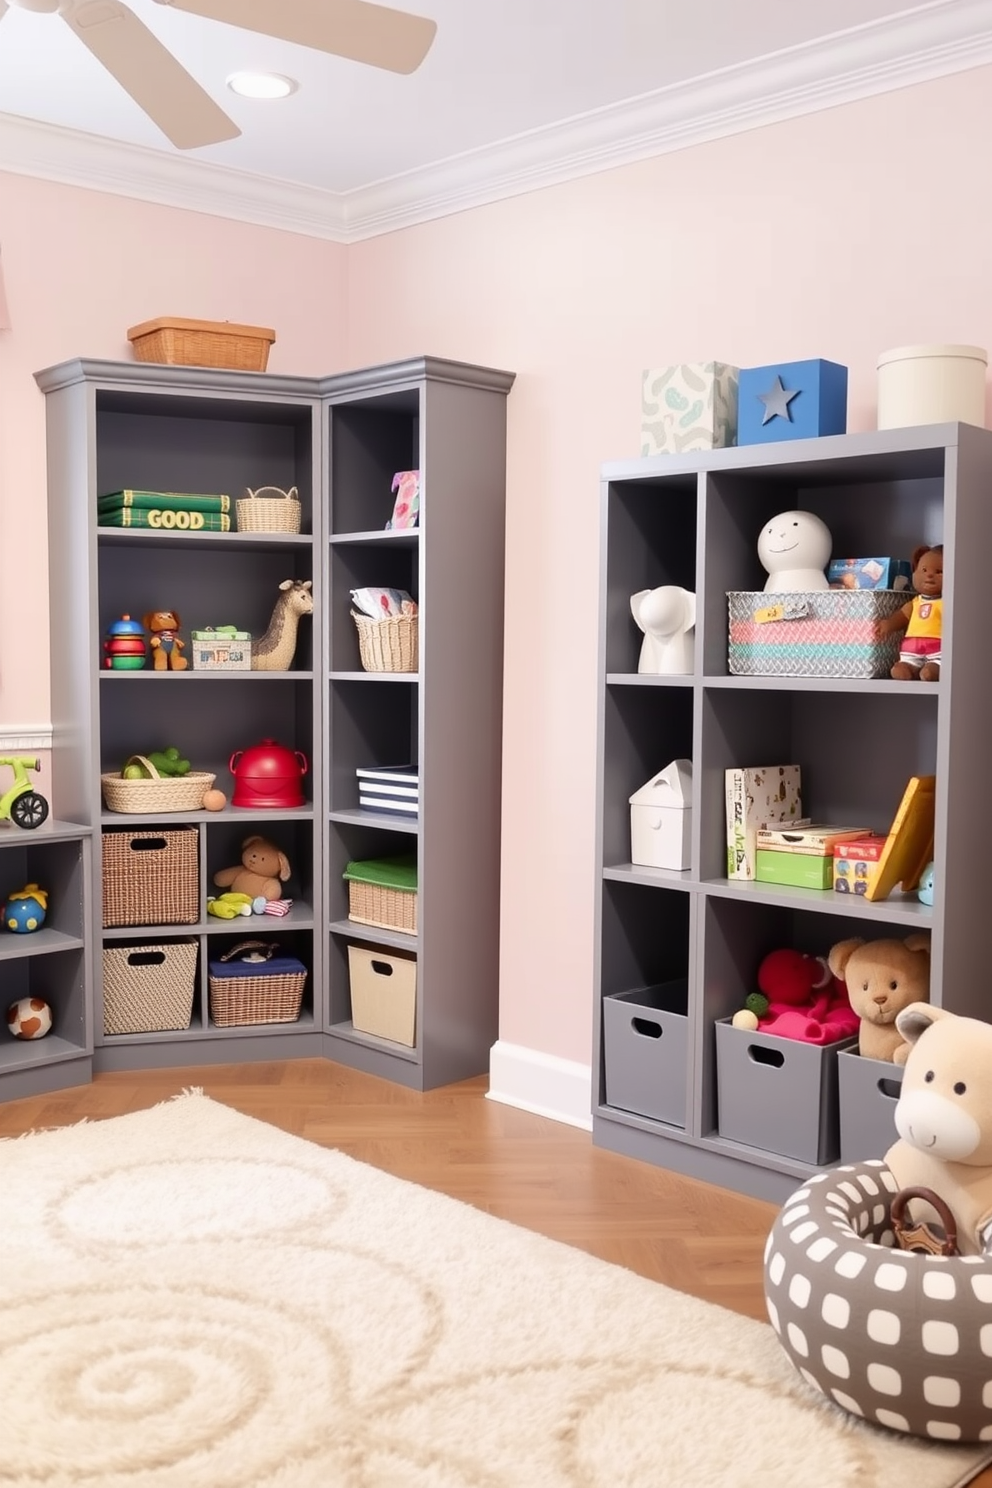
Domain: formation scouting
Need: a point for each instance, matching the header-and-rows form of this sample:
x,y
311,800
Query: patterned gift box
x,y
821,633
689,407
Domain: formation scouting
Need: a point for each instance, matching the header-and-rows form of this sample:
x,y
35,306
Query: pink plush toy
x,y
805,1000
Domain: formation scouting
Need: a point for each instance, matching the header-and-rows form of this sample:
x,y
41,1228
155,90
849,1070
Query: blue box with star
x,y
791,400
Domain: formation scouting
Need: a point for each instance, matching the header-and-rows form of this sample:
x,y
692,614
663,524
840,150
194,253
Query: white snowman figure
x,y
795,548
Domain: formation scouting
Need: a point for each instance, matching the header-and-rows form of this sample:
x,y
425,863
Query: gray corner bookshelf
x,y
53,963
693,520
338,440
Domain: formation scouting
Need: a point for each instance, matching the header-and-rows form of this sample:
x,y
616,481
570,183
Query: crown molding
x,y
937,40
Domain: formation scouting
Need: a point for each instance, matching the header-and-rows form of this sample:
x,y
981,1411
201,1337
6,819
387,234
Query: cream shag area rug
x,y
193,1299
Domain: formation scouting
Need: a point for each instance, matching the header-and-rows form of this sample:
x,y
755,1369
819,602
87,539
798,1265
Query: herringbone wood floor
x,y
526,1169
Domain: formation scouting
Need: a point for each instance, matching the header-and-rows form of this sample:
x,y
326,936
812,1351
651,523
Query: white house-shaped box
x,y
661,818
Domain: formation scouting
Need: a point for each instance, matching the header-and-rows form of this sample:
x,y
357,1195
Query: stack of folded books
x,y
391,788
800,854
168,511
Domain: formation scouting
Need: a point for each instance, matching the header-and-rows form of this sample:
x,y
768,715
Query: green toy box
x,y
796,870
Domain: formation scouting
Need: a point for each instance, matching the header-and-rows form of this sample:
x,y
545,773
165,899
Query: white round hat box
x,y
931,385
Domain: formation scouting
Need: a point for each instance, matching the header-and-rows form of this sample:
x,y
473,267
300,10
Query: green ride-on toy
x,y
20,803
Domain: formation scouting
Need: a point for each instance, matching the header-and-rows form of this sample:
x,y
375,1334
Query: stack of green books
x,y
167,511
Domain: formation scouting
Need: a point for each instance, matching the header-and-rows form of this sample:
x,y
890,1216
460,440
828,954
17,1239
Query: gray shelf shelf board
x,y
373,676
637,679
401,538
852,685
157,537
204,674
250,927
381,820
374,935
142,819
347,1030
208,1050
275,386
902,909
49,831
16,1054
304,1024
43,942
664,878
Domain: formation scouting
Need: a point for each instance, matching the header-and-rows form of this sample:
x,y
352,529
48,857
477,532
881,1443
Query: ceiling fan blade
x,y
374,34
158,83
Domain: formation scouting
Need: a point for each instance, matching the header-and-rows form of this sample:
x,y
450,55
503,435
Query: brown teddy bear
x,y
944,1120
163,628
262,872
882,978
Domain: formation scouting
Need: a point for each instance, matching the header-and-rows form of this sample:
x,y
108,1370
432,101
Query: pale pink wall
x,y
836,235
80,267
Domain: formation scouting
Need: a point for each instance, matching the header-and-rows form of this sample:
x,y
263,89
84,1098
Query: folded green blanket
x,y
391,873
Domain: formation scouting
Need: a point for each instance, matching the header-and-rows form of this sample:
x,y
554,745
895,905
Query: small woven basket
x,y
202,343
151,877
148,988
269,997
270,510
388,645
375,904
178,793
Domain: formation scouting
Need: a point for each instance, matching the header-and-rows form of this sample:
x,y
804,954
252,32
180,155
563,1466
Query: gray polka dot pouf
x,y
903,1340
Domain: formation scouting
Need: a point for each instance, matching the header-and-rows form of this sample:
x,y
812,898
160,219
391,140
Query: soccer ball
x,y
29,1018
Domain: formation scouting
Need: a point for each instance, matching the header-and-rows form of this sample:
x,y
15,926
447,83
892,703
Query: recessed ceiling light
x,y
261,84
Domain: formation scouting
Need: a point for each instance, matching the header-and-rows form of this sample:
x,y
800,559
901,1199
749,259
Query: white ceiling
x,y
513,94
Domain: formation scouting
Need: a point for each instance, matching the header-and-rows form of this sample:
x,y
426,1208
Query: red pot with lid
x,y
268,775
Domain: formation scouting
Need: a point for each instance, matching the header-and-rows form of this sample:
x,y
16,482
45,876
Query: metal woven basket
x,y
389,645
148,988
270,509
151,877
157,793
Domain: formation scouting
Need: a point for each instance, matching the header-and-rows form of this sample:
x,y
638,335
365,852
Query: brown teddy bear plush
x,y
882,978
262,873
163,628
944,1120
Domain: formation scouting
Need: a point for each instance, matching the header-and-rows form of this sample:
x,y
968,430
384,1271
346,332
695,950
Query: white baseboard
x,y
541,1083
15,737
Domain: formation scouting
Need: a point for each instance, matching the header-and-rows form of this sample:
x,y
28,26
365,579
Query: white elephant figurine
x,y
667,616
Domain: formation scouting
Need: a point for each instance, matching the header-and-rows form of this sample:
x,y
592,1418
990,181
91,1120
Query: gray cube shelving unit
x,y
694,520
53,963
338,440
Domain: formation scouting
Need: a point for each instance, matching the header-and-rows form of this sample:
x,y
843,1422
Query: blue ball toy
x,y
25,911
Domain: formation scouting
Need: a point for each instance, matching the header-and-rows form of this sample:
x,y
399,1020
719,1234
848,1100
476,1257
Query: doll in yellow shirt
x,y
920,620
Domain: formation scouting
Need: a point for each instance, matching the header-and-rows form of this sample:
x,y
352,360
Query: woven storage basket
x,y
821,633
151,877
383,892
388,645
202,343
271,993
178,793
148,988
270,509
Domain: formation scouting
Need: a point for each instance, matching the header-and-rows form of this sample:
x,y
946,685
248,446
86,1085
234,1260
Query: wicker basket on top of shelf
x,y
155,792
269,509
202,343
389,645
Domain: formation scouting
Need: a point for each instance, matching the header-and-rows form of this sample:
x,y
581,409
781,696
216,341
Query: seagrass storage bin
x,y
266,989
270,509
202,343
148,988
389,645
383,892
151,877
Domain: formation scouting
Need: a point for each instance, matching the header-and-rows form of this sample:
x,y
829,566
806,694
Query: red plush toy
x,y
805,1000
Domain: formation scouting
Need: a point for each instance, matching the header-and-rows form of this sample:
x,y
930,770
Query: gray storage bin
x,y
868,1090
646,1050
778,1094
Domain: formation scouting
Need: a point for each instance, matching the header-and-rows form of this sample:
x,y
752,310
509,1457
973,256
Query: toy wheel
x,y
29,810
919,1236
